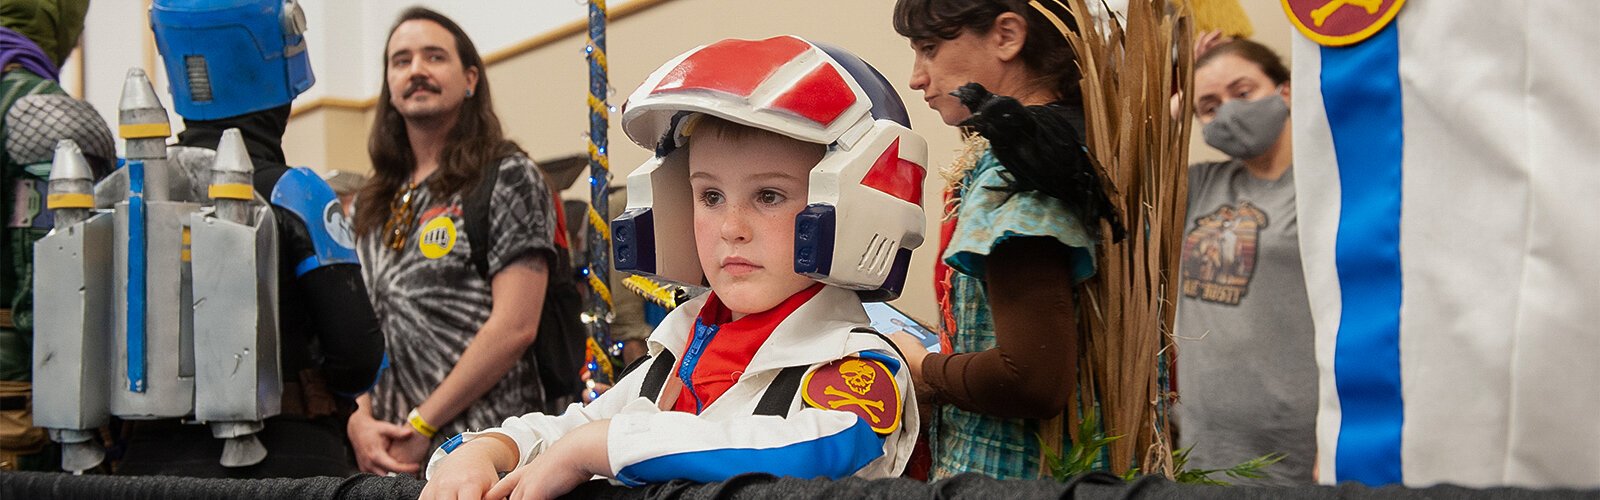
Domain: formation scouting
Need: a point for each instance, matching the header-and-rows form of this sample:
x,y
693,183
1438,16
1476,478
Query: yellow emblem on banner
x,y
438,237
1337,23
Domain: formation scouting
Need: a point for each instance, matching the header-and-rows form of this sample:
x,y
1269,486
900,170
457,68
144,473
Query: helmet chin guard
x,y
864,204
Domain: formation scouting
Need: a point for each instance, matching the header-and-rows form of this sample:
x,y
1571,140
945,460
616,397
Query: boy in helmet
x,y
792,166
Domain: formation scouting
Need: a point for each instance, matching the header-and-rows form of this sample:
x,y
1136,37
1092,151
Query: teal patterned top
x,y
963,441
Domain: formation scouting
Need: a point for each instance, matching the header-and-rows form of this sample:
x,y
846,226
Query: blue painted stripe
x,y
1361,91
136,277
835,456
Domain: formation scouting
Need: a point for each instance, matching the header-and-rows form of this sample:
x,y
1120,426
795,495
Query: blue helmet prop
x,y
225,58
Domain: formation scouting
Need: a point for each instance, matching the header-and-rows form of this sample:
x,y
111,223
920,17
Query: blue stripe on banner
x,y
136,277
835,456
1361,91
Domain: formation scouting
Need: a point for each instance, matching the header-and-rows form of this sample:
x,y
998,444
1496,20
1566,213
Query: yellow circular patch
x,y
1337,23
438,237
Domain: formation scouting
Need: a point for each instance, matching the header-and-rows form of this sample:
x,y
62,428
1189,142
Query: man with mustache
x,y
460,315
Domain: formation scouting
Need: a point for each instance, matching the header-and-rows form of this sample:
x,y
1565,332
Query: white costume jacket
x,y
648,444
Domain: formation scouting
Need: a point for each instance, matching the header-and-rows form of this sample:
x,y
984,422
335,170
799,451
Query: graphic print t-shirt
x,y
1247,376
431,301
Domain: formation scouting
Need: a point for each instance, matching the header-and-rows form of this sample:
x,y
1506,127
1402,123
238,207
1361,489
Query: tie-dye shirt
x,y
431,301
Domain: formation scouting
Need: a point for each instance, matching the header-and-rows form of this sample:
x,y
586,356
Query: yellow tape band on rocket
x,y
70,200
232,191
144,130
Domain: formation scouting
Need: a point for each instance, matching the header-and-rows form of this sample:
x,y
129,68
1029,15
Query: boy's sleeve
x,y
851,418
534,432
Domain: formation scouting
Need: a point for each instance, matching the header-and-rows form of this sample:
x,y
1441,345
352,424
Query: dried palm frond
x,y
1130,71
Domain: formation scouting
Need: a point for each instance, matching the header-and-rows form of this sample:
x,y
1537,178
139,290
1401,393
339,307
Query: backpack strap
x,y
475,213
656,378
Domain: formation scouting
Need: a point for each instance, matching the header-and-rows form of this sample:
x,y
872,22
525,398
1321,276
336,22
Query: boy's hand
x,y
571,461
468,473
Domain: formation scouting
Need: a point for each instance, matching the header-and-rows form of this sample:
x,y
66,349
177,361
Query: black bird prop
x,y
1044,152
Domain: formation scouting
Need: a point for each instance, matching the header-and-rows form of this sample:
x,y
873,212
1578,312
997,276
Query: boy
x,y
792,166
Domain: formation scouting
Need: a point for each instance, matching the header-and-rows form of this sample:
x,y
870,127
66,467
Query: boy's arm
x,y
529,435
472,469
837,442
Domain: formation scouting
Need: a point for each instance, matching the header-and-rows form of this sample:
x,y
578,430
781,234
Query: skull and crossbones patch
x,y
856,385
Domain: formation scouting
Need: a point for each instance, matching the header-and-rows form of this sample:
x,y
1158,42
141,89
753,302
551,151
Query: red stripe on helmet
x,y
820,96
734,67
896,176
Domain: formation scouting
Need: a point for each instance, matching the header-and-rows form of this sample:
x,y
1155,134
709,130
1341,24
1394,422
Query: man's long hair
x,y
475,141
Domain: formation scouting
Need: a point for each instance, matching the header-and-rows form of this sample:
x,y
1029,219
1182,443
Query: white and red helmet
x,y
864,207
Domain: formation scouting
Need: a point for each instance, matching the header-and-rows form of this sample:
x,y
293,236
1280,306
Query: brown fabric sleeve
x,y
1030,371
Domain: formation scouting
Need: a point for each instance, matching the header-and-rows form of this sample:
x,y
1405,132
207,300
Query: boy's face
x,y
748,188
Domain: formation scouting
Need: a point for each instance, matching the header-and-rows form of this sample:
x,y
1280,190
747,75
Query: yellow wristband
x,y
421,425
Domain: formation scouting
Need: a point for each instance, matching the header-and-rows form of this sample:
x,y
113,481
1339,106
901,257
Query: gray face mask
x,y
1247,129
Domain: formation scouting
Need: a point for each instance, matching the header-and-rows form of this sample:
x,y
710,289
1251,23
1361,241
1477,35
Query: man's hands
x,y
374,440
409,446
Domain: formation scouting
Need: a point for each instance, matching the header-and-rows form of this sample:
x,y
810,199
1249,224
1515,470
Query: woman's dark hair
x,y
1045,51
476,140
1251,51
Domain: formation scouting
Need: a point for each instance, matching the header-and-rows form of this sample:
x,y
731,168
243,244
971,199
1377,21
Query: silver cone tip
x,y
69,162
138,93
77,457
231,153
243,451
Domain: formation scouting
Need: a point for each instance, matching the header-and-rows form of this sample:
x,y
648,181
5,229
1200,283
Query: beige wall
x,y
540,94
329,138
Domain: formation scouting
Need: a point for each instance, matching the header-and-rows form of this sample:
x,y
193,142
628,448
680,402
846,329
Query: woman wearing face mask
x,y
1247,373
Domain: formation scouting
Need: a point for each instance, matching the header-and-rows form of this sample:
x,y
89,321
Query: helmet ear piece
x,y
881,176
655,235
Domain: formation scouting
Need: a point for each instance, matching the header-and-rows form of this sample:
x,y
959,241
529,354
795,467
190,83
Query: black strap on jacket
x,y
780,392
776,401
656,378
